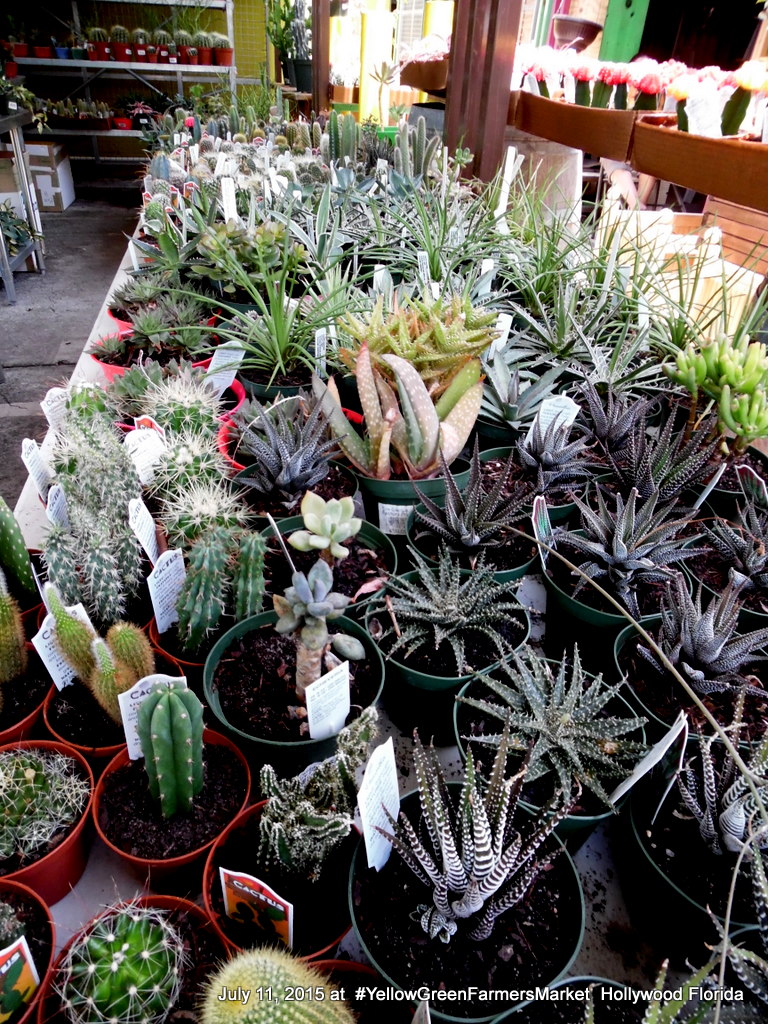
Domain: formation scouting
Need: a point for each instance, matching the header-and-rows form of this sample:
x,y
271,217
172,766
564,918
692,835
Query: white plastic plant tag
x,y
194,153
44,642
176,135
560,408
424,272
530,84
710,487
19,977
33,459
164,583
228,199
503,326
131,700
382,280
321,351
752,485
41,578
379,790
643,312
487,273
677,732
56,509
225,363
145,448
453,236
393,519
143,525
252,902
542,528
704,113
328,703
512,163
422,1015
221,164
54,406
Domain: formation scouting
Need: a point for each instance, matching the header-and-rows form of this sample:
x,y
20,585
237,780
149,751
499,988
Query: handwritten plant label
x,y
19,978
224,366
37,468
54,405
328,702
561,408
379,790
164,583
44,642
131,700
249,901
143,525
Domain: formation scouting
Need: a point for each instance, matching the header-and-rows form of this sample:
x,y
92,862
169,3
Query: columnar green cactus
x,y
125,658
317,134
291,134
73,637
13,652
348,139
170,728
132,649
334,136
303,138
201,601
249,576
327,525
126,967
14,557
279,973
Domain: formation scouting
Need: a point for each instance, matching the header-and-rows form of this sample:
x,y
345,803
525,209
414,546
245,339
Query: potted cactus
x,y
183,40
161,815
204,44
45,798
223,53
120,39
22,678
98,43
163,40
140,38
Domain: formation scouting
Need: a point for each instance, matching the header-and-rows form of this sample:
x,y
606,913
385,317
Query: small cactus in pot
x,y
13,651
170,727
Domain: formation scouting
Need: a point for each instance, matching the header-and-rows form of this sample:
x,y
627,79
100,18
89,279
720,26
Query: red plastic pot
x,y
185,870
111,370
224,56
20,49
42,52
45,970
53,875
192,59
11,69
205,55
122,51
226,441
183,54
123,327
122,124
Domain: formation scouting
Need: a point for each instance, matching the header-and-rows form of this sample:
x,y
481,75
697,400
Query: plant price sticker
x,y
19,978
251,902
379,790
131,701
394,518
328,702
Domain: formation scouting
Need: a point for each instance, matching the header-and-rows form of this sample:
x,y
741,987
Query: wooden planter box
x,y
728,168
599,132
428,76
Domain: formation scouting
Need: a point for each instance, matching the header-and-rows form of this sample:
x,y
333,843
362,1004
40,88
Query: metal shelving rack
x,y
12,125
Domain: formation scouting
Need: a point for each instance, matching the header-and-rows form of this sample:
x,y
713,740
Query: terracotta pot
x,y
183,872
44,969
53,875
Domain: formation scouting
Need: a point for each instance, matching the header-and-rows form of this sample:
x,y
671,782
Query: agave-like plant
x,y
744,545
550,459
702,643
629,545
612,418
477,864
475,518
560,717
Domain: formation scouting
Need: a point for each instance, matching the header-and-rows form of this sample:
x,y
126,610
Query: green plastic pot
x,y
571,906
748,619
369,533
724,501
529,1011
492,435
557,513
501,576
399,496
287,756
657,727
575,829
261,520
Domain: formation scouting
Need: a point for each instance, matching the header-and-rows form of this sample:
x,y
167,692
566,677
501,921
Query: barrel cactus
x,y
170,728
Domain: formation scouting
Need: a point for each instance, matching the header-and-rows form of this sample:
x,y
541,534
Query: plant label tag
x,y
228,200
143,525
252,902
503,326
379,790
542,528
44,642
424,271
753,485
131,700
41,578
560,408
393,519
56,509
224,366
132,254
194,155
453,236
321,351
382,280
148,423
328,702
19,978
146,448
221,163
54,406
33,459
267,191
487,273
422,1014
675,739
164,583
710,486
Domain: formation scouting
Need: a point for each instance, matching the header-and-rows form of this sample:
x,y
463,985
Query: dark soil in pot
x,y
37,932
255,680
478,650
665,697
172,645
530,944
130,817
321,911
712,570
21,696
729,481
337,484
76,716
131,354
516,551
648,594
493,469
362,565
298,379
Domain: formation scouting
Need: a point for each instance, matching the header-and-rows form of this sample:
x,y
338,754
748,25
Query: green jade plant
x,y
170,728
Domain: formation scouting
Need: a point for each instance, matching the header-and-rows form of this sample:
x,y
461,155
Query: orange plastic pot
x,y
53,875
21,729
183,872
44,970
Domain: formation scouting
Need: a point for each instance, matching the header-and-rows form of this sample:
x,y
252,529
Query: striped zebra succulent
x,y
667,464
551,460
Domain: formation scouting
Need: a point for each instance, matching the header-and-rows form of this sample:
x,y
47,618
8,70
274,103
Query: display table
x,y
12,125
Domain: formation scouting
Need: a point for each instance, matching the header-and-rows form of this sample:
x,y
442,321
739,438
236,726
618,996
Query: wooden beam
x,y
321,53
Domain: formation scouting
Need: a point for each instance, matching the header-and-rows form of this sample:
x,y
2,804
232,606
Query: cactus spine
x,y
14,557
127,967
279,972
348,138
119,34
13,652
170,728
317,134
73,637
132,649
201,600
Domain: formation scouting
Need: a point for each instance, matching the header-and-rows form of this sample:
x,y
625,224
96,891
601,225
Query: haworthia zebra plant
x,y
479,864
750,965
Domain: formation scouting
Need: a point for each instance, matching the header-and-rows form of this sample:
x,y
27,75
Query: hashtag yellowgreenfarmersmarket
x,y
519,995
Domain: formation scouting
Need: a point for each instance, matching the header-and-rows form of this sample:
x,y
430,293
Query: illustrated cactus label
x,y
378,794
19,978
56,508
146,449
131,701
328,702
250,901
44,642
164,584
54,406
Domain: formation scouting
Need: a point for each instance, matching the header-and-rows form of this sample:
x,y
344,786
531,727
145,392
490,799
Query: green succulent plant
x,y
13,650
512,397
170,728
613,418
743,545
327,524
550,460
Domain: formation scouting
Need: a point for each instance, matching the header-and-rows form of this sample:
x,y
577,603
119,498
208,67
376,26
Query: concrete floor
x,y
42,335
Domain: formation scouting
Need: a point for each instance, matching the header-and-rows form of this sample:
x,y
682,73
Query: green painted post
x,y
624,24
